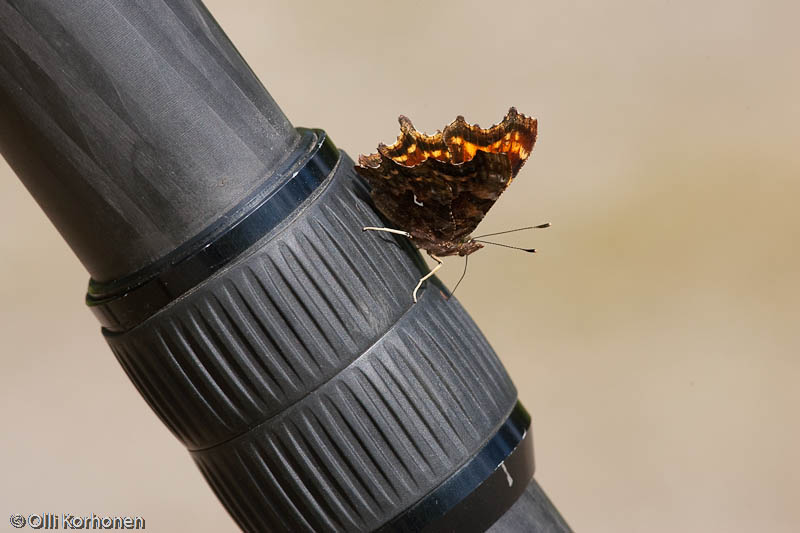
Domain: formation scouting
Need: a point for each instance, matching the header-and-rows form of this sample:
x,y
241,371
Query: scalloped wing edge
x,y
459,142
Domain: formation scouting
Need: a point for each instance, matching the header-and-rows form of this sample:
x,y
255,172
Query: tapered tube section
x,y
132,123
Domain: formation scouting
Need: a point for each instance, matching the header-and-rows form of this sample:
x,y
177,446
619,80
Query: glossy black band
x,y
121,305
473,498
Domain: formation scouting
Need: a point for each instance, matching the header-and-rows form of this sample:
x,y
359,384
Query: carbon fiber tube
x,y
275,339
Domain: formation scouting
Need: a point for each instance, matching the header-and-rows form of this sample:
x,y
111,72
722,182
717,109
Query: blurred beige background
x,y
654,338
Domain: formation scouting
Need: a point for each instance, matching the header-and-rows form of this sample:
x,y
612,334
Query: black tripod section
x,y
275,339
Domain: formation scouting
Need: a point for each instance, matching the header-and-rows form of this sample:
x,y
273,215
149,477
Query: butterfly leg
x,y
388,230
426,276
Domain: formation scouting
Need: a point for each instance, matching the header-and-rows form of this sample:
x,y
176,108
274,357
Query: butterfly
x,y
435,189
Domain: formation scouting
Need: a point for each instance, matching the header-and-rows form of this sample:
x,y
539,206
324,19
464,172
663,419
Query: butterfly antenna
x,y
466,261
540,226
529,250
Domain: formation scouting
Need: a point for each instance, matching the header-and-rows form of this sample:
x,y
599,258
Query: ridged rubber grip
x,y
311,391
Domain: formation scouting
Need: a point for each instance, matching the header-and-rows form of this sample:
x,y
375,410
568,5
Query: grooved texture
x,y
373,440
313,394
275,324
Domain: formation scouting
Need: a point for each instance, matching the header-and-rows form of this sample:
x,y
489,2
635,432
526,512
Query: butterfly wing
x,y
439,187
435,201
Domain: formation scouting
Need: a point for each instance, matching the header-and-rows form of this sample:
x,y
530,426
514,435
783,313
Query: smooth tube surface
x,y
133,124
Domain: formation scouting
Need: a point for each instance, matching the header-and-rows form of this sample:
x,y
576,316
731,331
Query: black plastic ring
x,y
121,305
482,490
